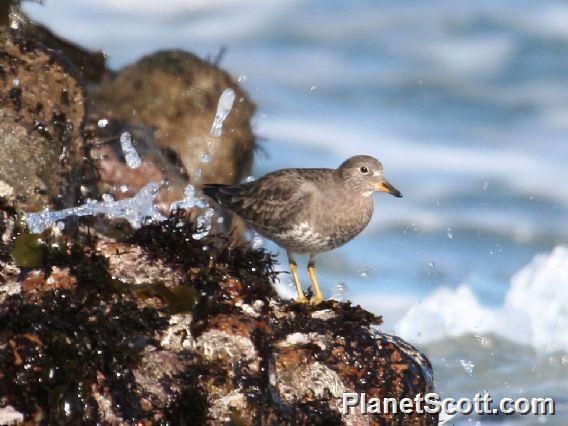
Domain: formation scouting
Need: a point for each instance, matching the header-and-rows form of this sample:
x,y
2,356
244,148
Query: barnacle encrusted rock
x,y
159,327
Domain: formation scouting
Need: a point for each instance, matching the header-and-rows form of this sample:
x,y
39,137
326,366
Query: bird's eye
x,y
364,170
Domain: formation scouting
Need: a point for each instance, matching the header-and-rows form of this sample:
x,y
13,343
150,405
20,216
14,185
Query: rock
x,y
177,94
8,270
90,65
41,121
159,327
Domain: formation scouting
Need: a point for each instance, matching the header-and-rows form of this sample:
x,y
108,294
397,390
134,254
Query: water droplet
x,y
16,82
257,242
250,179
242,78
467,366
130,155
204,224
450,233
205,158
103,122
226,101
67,408
341,292
483,341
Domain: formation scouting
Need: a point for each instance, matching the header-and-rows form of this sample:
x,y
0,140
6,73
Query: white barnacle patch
x,y
324,314
178,336
223,407
307,380
217,344
303,339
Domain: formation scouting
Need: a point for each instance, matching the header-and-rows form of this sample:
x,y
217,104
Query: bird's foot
x,y
302,299
317,299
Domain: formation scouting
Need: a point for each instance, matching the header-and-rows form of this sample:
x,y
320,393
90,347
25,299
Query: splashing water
x,y
226,101
131,156
188,201
136,210
204,224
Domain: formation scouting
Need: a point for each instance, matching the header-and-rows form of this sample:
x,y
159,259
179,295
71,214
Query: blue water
x,y
465,103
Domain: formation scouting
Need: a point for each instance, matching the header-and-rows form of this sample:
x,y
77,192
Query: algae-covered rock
x,y
160,327
177,93
42,111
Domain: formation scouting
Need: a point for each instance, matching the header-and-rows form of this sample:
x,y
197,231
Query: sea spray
x,y
535,311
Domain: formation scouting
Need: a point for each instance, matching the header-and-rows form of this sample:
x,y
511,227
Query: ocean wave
x,y
535,311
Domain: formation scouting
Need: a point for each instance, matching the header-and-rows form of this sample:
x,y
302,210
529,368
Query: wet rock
x,y
178,94
159,327
8,270
41,119
90,65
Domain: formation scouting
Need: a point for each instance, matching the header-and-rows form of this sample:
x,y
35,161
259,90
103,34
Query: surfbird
x,y
308,211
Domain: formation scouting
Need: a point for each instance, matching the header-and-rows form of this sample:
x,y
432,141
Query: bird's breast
x,y
324,226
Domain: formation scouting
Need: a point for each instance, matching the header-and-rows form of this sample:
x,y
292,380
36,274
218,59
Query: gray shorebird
x,y
308,211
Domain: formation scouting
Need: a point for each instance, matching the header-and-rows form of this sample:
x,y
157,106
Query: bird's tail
x,y
212,190
223,194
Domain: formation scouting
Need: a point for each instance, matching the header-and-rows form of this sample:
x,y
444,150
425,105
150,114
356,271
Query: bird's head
x,y
364,174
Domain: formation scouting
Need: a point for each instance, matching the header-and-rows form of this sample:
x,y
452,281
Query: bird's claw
x,y
316,300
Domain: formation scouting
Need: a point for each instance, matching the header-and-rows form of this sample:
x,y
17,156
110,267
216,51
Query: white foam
x,y
535,311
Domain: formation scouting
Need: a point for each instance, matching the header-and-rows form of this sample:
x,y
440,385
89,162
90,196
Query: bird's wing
x,y
267,200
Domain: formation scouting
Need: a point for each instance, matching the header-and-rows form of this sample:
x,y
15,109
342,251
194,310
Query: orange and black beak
x,y
384,186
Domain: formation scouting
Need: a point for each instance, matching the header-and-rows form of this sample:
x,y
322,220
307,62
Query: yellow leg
x,y
318,296
294,269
